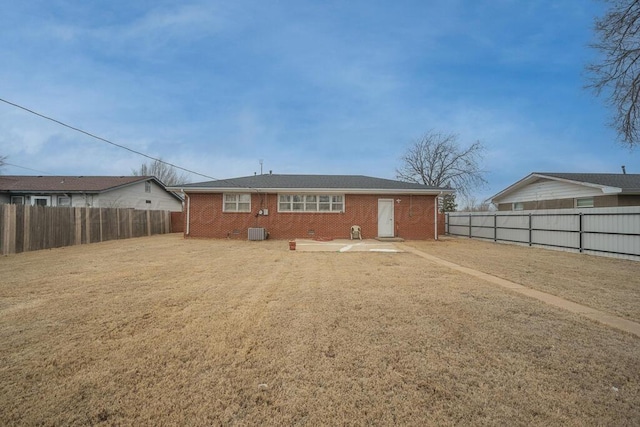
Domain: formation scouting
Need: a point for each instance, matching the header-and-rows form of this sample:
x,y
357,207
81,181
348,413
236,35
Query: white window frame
x,y
147,186
63,197
311,203
34,200
517,206
231,202
589,202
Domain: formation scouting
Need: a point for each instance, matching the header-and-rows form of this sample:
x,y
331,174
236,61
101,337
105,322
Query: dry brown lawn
x,y
166,331
607,284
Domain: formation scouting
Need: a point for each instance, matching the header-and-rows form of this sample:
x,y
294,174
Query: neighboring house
x,y
541,190
311,206
138,192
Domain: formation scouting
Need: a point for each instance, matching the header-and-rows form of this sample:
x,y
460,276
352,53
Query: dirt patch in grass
x,y
163,330
607,284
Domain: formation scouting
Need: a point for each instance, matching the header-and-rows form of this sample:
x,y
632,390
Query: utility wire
x,y
104,139
29,169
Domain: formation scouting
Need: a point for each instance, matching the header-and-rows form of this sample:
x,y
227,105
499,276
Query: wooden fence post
x,y
100,219
167,222
87,211
9,231
148,223
78,225
26,227
130,223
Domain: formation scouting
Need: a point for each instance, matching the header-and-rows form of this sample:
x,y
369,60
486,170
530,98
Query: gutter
x,y
186,229
403,191
435,215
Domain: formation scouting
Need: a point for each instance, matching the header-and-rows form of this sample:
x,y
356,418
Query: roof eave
x,y
430,191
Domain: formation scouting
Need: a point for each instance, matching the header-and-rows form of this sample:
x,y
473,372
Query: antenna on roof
x,y
624,170
261,166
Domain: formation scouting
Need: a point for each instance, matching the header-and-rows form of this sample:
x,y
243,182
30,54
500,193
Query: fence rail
x,y
601,231
28,228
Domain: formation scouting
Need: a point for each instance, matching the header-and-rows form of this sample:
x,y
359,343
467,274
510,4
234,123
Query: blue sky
x,y
324,87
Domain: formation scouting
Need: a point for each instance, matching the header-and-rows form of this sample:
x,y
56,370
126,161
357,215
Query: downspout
x,y
435,215
188,212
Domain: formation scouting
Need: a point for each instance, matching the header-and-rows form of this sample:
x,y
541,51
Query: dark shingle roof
x,y
90,184
627,182
317,182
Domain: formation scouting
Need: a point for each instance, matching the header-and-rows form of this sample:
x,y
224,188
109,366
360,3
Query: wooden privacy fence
x,y
29,228
599,231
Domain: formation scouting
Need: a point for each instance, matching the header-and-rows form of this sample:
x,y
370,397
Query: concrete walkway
x,y
591,313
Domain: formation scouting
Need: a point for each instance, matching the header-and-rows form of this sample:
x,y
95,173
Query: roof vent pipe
x,y
270,171
624,170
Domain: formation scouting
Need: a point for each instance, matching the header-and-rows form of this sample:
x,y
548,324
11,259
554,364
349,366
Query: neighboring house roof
x,y
70,184
317,183
609,183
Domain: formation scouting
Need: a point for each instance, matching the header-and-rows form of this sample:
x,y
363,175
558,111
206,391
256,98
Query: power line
x,y
104,139
29,169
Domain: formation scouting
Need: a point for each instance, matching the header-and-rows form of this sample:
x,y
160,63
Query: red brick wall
x,y
414,218
177,222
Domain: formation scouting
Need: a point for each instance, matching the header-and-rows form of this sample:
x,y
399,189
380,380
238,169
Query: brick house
x,y
311,206
542,190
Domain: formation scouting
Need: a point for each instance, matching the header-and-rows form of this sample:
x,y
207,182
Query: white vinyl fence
x,y
611,232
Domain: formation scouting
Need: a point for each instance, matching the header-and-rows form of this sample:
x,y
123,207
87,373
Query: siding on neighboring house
x,y
413,218
551,190
598,202
134,196
548,190
629,200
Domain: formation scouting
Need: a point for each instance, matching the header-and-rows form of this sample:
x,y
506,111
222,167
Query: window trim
x,y
588,199
147,186
63,197
305,203
237,202
517,206
14,198
34,200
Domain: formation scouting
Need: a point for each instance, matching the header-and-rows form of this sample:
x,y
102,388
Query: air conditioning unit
x,y
257,233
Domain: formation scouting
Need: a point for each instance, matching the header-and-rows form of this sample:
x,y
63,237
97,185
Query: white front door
x,y
385,218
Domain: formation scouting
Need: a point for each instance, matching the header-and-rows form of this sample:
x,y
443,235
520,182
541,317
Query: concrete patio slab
x,y
345,245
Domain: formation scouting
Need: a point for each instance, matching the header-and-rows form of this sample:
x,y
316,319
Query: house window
x,y
310,203
147,187
64,201
40,201
237,203
586,202
518,206
17,200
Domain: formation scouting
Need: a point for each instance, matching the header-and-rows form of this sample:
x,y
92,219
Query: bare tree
x,y
618,73
438,160
3,161
164,172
